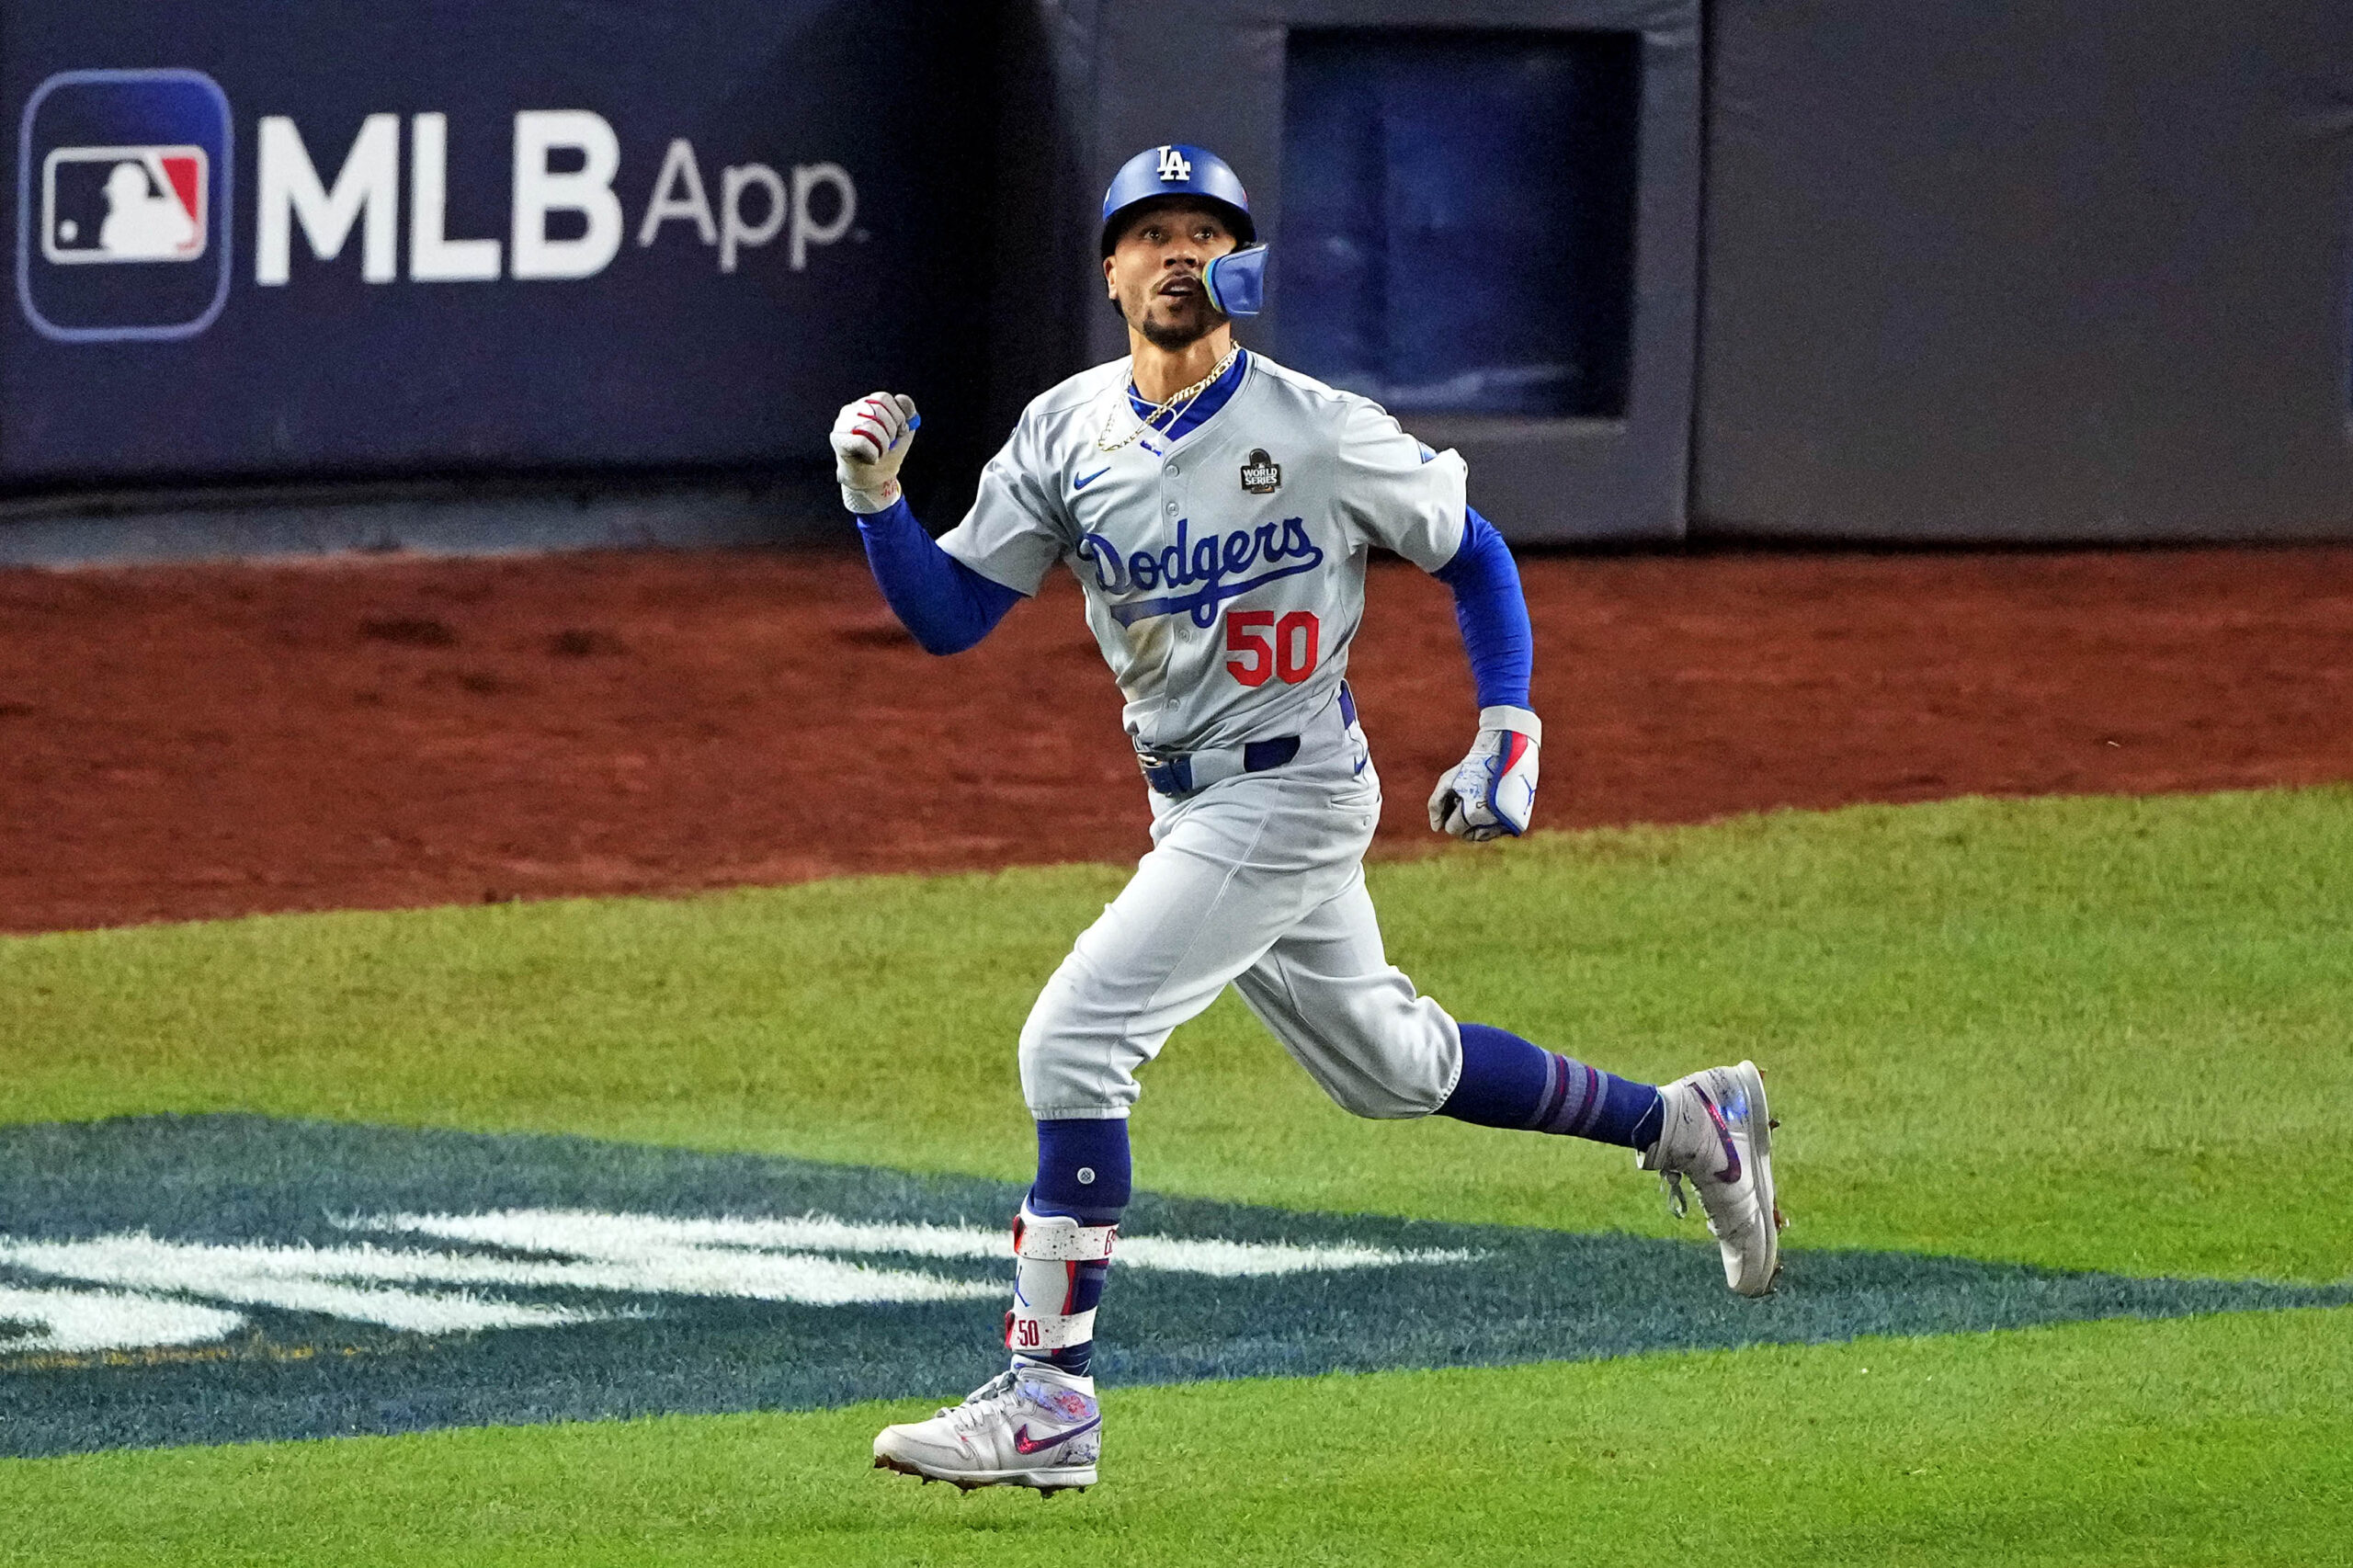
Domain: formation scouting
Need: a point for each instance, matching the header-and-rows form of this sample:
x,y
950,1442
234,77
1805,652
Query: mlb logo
x,y
106,204
122,204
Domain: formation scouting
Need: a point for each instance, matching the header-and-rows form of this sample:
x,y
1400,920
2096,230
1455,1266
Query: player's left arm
x,y
1492,792
1396,493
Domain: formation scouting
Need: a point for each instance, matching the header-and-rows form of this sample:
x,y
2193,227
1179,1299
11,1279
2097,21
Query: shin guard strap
x,y
1058,1274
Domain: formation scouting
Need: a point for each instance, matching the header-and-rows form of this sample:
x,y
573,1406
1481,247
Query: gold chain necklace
x,y
1171,410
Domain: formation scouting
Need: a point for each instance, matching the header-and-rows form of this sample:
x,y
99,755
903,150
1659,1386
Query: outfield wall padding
x,y
2076,271
2068,271
1127,74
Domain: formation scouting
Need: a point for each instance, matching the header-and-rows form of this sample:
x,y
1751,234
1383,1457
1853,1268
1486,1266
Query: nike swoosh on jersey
x,y
1022,1442
1083,483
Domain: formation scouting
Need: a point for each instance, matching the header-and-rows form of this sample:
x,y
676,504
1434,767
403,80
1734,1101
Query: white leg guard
x,y
1051,1308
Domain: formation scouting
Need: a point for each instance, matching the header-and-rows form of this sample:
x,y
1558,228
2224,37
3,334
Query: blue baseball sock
x,y
1507,1082
1082,1171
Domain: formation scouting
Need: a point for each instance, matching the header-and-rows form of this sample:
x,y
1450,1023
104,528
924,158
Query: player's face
x,y
1154,272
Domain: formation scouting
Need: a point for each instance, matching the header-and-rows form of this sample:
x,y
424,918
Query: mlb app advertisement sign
x,y
251,240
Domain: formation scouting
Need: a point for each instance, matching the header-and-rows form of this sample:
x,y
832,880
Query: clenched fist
x,y
870,442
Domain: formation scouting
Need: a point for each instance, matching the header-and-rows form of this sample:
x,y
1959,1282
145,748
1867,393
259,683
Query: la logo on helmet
x,y
1174,166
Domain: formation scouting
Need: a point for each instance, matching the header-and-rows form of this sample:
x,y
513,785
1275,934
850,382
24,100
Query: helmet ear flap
x,y
1236,281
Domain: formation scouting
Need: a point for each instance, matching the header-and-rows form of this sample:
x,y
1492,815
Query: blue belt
x,y
1186,773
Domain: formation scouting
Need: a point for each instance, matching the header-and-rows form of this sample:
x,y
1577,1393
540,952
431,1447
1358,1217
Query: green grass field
x,y
2208,1441
2086,1033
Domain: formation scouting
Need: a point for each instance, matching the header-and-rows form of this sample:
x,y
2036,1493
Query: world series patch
x,y
1261,475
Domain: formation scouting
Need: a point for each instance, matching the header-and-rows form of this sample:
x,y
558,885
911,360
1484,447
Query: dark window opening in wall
x,y
1458,217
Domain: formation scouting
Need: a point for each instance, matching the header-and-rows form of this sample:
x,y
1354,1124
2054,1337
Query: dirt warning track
x,y
181,742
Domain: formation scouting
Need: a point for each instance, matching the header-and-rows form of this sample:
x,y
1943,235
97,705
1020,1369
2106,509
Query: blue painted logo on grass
x,y
217,1278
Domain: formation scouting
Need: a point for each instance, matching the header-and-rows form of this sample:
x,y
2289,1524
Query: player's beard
x,y
1172,337
1194,323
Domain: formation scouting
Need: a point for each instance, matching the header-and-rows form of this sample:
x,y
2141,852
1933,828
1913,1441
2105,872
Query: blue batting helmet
x,y
1177,169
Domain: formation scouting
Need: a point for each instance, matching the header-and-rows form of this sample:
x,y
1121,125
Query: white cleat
x,y
1717,1133
1030,1426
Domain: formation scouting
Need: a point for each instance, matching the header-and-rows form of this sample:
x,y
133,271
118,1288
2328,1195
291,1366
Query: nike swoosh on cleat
x,y
1023,1445
1083,483
1731,1173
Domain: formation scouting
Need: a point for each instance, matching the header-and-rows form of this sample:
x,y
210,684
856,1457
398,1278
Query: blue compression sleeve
x,y
1491,612
946,605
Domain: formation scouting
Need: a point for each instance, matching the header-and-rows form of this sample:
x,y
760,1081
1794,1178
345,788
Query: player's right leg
x,y
1230,872
1037,1424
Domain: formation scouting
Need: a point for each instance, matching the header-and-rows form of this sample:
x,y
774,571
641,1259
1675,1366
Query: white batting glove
x,y
1493,790
870,442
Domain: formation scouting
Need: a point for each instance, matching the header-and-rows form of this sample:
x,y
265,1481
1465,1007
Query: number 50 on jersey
x,y
1258,645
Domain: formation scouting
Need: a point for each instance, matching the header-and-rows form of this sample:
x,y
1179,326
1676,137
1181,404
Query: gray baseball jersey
x,y
1224,570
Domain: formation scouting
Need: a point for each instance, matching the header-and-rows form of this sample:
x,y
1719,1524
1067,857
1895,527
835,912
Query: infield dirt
x,y
185,743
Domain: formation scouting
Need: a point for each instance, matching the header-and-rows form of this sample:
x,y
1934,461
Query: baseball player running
x,y
1217,509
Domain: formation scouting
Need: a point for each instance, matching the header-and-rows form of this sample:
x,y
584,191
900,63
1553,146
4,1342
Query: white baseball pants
x,y
1256,881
